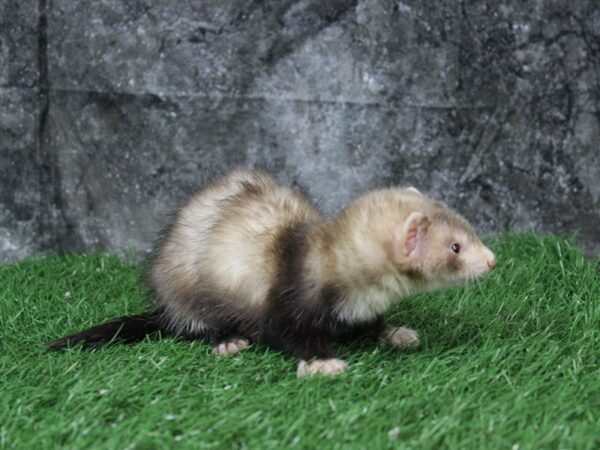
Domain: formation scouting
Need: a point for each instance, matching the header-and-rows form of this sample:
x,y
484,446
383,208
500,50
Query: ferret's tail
x,y
123,329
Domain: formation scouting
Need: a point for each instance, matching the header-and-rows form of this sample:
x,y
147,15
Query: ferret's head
x,y
438,247
401,231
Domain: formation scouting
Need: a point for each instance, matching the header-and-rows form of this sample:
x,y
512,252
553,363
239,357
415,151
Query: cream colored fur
x,y
401,337
226,238
231,347
225,241
330,366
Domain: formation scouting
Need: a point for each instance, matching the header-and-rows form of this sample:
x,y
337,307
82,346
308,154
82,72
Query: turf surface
x,y
509,362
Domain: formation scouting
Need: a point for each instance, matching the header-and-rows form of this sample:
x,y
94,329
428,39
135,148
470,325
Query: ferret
x,y
249,261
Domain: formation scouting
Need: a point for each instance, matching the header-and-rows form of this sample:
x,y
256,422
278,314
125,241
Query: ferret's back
x,y
223,241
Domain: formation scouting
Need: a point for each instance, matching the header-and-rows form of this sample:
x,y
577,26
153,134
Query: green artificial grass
x,y
509,362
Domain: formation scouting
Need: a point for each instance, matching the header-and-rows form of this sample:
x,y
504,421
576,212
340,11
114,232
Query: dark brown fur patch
x,y
301,321
123,329
413,273
455,264
252,189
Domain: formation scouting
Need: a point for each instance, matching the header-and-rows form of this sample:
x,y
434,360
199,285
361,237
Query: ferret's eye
x,y
455,247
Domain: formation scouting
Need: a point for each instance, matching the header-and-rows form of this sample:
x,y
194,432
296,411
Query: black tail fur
x,y
123,329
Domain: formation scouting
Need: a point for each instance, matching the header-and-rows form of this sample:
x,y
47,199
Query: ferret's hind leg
x,y
230,346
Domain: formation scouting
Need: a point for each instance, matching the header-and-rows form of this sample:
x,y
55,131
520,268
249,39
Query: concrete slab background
x,y
112,112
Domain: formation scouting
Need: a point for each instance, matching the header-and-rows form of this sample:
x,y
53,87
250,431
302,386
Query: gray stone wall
x,y
112,112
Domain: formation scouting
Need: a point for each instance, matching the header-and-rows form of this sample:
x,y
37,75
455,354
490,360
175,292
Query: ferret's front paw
x,y
231,346
402,337
323,366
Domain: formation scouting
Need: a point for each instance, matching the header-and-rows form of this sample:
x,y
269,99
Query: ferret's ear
x,y
409,236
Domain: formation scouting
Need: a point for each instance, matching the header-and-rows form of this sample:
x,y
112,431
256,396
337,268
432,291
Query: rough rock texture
x,y
112,112
19,126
